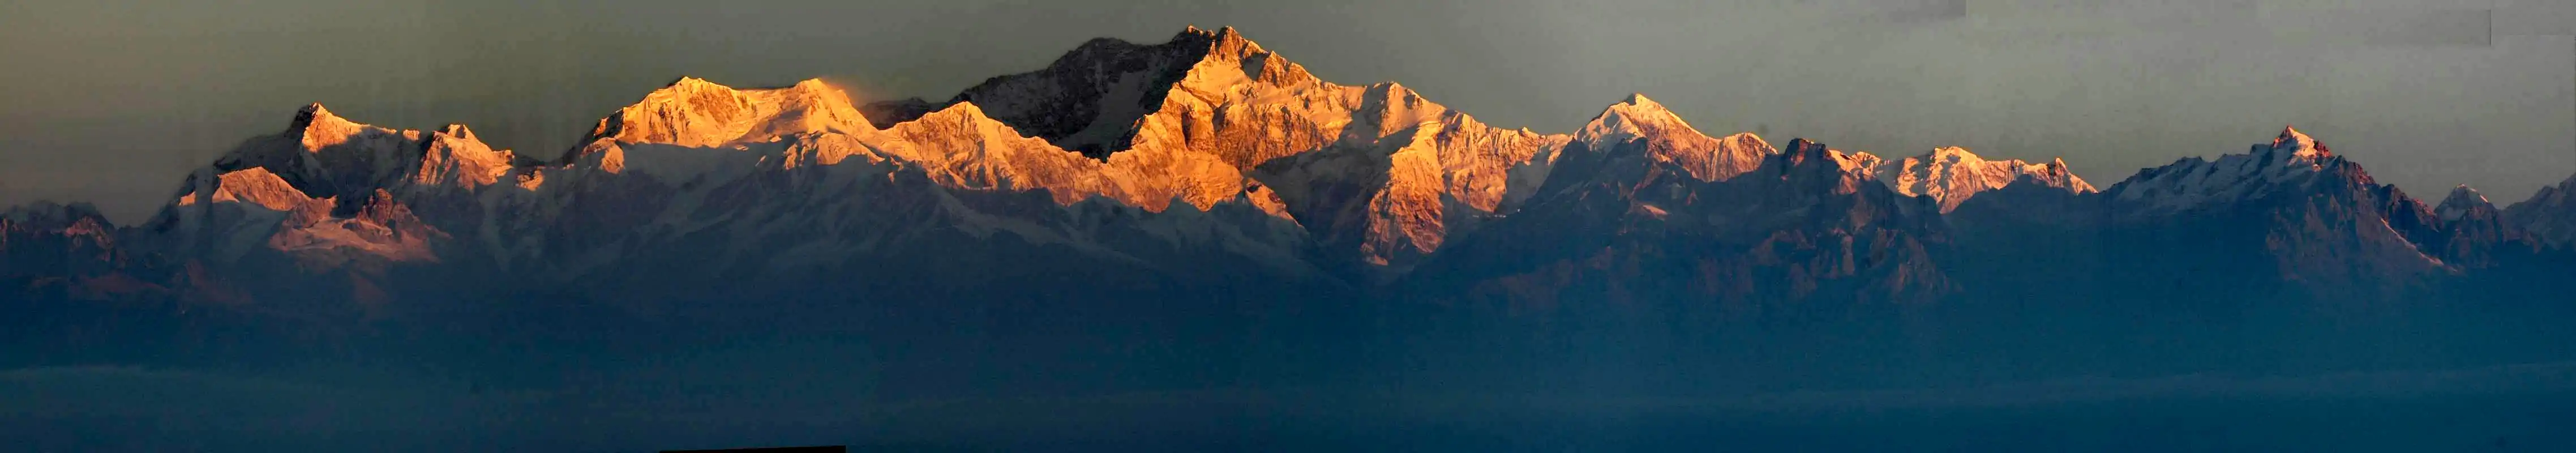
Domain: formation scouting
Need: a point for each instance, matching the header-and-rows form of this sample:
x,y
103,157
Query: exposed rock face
x,y
885,114
1378,173
1092,99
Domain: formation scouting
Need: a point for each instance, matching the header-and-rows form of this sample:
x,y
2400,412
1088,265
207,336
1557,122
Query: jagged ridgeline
x,y
1204,205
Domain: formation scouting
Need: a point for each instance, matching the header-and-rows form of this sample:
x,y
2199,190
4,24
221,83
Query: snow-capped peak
x,y
1096,98
314,113
2290,158
1637,108
317,128
2461,201
698,113
1225,42
456,156
2299,145
1639,100
1950,175
458,131
1672,140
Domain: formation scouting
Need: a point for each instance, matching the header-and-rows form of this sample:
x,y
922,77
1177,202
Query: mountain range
x,y
1189,193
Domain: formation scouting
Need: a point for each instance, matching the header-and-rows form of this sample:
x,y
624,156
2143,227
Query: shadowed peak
x,y
311,112
1802,144
2464,194
47,214
2462,201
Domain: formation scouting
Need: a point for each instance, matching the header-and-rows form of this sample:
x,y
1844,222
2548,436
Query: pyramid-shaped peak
x,y
1225,43
2289,132
317,127
457,130
312,114
1636,107
2300,143
1637,116
1640,100
2462,201
2464,194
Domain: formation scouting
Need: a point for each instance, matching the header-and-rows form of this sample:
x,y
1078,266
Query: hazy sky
x,y
113,101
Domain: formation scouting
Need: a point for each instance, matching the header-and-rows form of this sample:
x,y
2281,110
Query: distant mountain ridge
x,y
1208,166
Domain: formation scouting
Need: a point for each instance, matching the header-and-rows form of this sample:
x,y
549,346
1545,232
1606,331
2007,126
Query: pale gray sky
x,y
112,101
